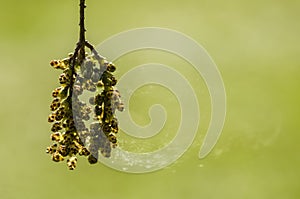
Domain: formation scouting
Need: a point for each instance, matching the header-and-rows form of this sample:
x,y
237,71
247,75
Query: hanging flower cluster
x,y
81,128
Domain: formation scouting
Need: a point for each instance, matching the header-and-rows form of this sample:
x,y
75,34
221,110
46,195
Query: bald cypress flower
x,y
83,128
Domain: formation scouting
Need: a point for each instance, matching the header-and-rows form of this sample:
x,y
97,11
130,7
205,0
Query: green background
x,y
256,47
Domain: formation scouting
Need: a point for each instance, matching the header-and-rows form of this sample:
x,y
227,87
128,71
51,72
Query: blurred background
x,y
256,47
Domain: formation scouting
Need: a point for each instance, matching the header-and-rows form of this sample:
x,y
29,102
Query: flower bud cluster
x,y
67,143
81,128
96,76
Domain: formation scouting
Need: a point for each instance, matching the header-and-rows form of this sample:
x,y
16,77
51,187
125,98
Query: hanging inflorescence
x,y
79,127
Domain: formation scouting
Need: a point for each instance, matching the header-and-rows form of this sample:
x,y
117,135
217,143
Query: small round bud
x,y
106,150
55,92
78,90
56,127
55,104
57,64
112,138
111,67
92,100
48,150
121,107
95,77
57,157
63,150
86,117
113,81
100,84
56,136
51,118
51,149
99,99
84,151
72,163
109,94
92,159
106,128
59,117
54,63
63,78
98,110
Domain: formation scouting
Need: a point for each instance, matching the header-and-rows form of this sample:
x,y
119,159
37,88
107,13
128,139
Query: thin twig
x,y
81,42
79,52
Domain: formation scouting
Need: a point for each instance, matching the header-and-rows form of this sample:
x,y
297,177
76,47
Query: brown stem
x,y
81,42
79,52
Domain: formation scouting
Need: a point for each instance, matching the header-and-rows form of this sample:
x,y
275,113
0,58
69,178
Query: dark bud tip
x,y
92,159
